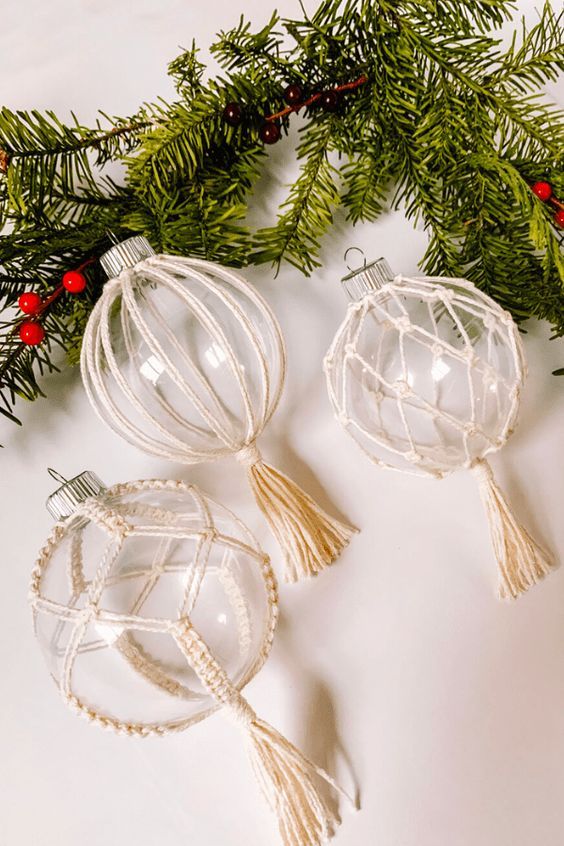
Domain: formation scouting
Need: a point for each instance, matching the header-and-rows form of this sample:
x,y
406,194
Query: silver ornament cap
x,y
367,279
66,499
126,254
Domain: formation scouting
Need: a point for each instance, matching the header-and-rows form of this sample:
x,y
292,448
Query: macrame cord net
x,y
286,778
521,561
309,538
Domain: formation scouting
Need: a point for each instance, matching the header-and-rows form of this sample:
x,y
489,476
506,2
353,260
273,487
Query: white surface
x,y
447,705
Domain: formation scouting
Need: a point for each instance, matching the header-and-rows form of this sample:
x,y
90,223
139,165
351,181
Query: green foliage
x,y
449,126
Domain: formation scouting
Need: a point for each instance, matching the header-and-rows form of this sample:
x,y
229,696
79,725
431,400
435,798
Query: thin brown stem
x,y
558,204
347,86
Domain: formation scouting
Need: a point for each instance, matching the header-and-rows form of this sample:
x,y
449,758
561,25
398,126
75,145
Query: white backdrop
x,y
397,669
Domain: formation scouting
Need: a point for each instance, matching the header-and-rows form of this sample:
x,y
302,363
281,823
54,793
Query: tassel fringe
x,y
285,776
521,562
309,538
287,781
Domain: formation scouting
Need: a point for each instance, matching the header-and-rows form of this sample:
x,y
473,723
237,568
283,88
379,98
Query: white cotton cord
x,y
521,562
309,538
345,352
287,779
111,519
397,411
189,419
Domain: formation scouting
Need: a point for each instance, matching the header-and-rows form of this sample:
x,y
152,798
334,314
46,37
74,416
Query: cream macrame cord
x,y
286,778
309,538
521,561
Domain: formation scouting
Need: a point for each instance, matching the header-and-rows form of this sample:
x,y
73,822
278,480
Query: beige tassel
x,y
521,561
287,781
285,776
308,537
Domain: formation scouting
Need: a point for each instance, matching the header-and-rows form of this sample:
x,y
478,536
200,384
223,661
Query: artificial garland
x,y
405,104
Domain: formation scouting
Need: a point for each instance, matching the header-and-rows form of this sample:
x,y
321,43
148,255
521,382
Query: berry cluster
x,y
31,332
543,191
269,133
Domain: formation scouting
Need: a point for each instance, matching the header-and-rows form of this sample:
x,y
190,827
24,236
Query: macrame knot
x,y
249,454
482,470
87,613
210,534
403,323
240,710
402,388
413,456
104,517
126,275
112,284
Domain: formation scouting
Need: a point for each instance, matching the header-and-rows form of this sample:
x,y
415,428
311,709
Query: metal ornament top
x,y
127,253
66,499
368,278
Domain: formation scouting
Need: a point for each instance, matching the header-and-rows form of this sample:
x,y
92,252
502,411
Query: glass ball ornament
x,y
154,606
426,375
182,357
122,568
185,360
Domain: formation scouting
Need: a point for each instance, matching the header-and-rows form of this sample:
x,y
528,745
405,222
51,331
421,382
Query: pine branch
x,y
534,59
448,124
308,212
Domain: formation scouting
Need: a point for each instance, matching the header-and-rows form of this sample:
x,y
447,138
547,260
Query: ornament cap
x,y
125,254
368,278
66,499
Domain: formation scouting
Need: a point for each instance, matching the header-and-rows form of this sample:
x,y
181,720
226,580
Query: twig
x,y
347,86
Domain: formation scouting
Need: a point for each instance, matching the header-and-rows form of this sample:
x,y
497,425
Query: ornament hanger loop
x,y
57,476
358,250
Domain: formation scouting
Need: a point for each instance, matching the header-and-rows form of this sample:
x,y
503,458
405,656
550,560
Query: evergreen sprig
x,y
450,126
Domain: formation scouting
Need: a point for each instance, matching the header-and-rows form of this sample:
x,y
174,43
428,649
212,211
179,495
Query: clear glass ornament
x,y
104,603
154,607
424,373
187,359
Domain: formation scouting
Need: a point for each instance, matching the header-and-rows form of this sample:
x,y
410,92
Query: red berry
x,y
74,281
293,94
31,333
543,190
30,302
232,114
559,218
329,101
269,133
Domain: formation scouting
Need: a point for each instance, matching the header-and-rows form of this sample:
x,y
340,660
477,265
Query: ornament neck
x,y
367,279
126,254
65,500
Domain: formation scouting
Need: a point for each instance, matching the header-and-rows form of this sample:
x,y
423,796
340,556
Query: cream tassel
x,y
287,781
309,538
285,776
521,561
